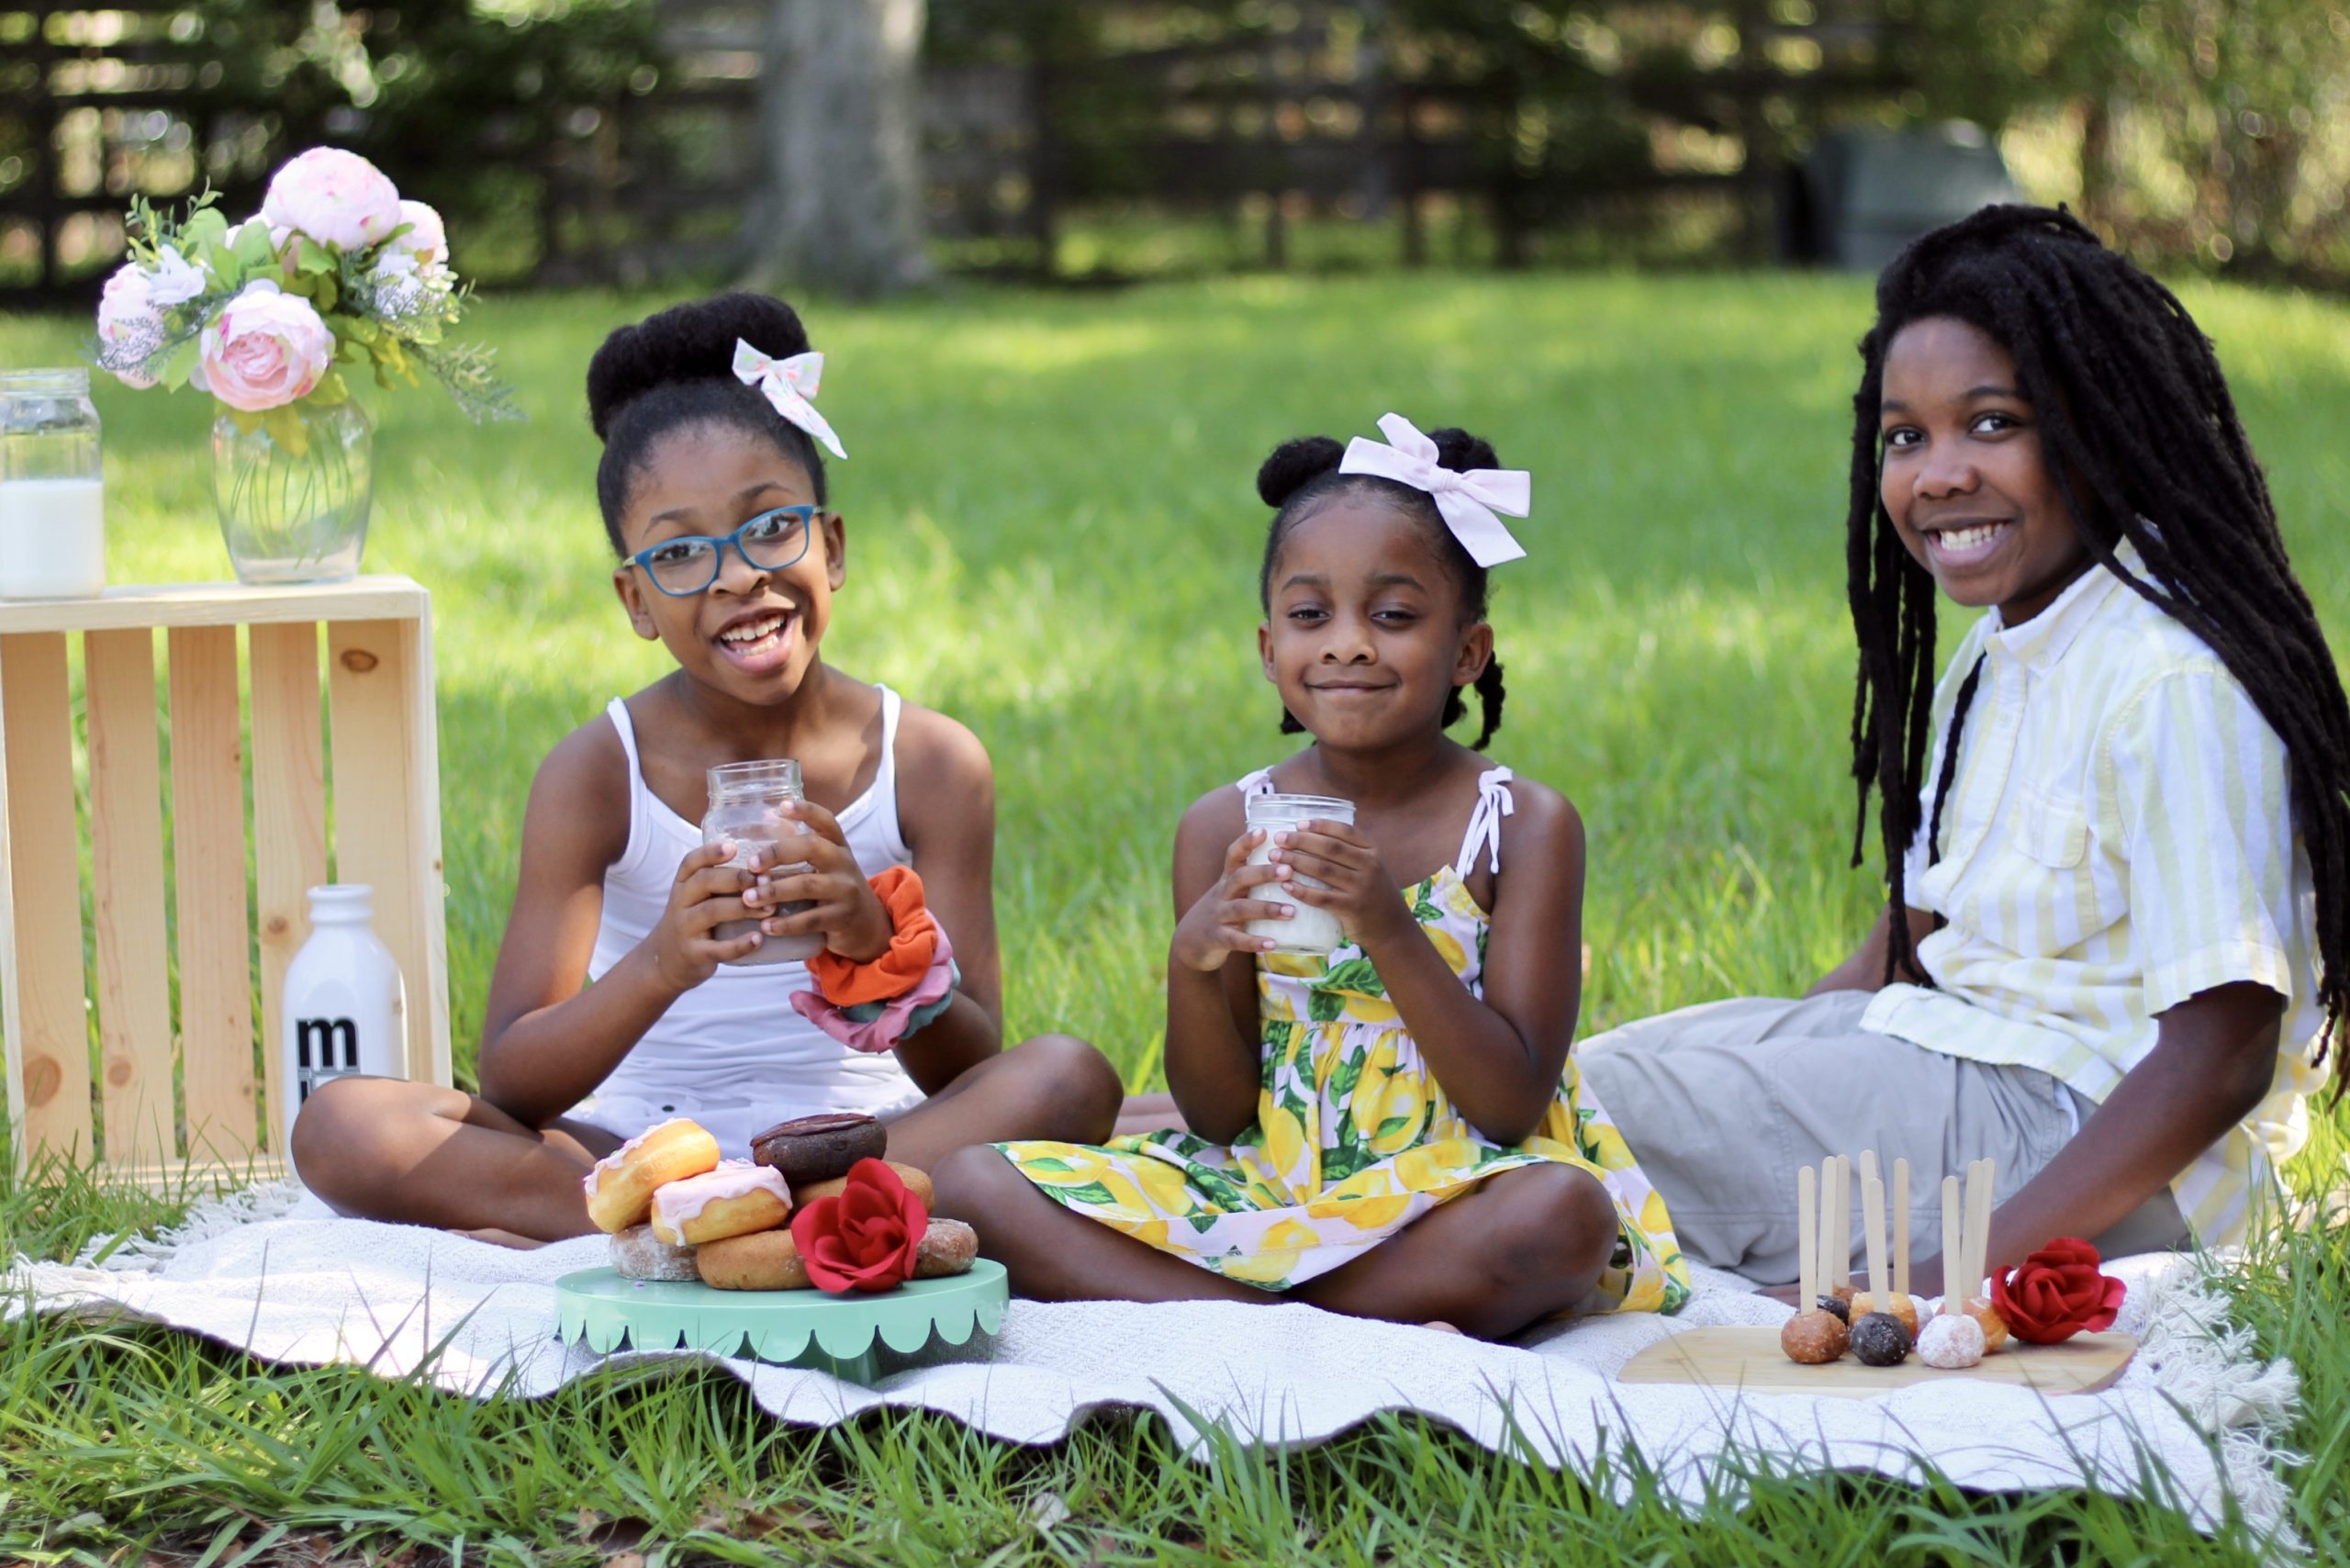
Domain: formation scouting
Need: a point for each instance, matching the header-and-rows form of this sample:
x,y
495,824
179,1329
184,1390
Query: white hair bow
x,y
1466,502
789,384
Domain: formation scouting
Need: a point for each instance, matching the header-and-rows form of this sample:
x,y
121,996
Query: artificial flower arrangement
x,y
336,269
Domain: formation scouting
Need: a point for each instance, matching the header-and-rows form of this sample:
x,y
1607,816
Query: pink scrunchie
x,y
882,1034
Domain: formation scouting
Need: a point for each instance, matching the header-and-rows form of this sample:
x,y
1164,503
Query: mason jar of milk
x,y
746,801
1310,930
52,492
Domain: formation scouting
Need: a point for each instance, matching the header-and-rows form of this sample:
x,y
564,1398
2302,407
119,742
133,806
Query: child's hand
x,y
1358,890
708,892
843,904
1216,926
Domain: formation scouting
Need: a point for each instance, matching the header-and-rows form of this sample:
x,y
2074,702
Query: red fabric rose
x,y
2057,1292
866,1238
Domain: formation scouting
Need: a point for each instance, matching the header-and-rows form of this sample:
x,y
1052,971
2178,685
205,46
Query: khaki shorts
x,y
1722,1104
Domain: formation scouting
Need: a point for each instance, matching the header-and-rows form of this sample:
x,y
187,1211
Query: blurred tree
x,y
2210,131
840,117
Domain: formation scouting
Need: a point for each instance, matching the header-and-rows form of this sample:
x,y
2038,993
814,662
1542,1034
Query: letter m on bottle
x,y
323,1048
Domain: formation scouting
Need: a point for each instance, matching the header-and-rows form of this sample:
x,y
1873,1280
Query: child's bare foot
x,y
497,1238
1440,1326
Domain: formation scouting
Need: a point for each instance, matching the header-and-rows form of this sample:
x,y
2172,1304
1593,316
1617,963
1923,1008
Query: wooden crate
x,y
177,1094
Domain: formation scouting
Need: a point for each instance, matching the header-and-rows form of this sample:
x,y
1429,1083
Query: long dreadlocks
x,y
2145,443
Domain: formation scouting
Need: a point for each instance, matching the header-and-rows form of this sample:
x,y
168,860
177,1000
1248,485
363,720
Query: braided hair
x,y
1302,476
2145,443
675,370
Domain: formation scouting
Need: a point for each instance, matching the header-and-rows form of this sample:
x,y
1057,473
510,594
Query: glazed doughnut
x,y
948,1246
619,1189
763,1260
733,1200
818,1149
638,1254
917,1181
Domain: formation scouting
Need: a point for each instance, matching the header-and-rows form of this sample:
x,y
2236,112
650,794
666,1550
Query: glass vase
x,y
291,486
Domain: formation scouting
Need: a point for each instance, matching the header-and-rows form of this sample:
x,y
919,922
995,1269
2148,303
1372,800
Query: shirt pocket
x,y
2052,828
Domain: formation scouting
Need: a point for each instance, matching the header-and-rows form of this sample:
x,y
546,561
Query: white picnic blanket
x,y
271,1271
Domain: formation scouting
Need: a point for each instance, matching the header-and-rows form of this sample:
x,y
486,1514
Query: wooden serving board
x,y
1747,1360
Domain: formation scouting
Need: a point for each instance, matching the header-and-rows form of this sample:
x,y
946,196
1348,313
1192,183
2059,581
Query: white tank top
x,y
732,1053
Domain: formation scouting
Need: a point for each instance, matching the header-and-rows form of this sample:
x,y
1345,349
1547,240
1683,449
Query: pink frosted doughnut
x,y
733,1200
619,1189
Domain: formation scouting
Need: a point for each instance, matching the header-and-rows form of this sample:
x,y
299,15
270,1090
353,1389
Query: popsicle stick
x,y
1954,1245
1869,1171
1873,1222
1827,1228
1979,1224
1843,1224
1901,1227
1808,1234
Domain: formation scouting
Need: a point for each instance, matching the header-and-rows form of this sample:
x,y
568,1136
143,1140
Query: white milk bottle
x,y
52,490
745,805
1310,930
346,1009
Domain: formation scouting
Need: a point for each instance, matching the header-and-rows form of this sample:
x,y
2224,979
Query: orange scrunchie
x,y
913,947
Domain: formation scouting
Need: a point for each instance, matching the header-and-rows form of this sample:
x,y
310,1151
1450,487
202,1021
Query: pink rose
x,y
266,349
130,327
335,198
426,240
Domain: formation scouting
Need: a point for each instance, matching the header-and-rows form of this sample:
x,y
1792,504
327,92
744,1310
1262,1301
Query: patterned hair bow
x,y
1466,501
789,384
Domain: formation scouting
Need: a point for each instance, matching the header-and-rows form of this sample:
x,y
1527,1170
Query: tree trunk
x,y
840,118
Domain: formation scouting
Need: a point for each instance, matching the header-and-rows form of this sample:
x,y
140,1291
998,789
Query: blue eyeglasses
x,y
687,565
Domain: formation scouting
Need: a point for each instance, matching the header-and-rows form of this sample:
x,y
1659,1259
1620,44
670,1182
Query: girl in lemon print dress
x,y
1394,1129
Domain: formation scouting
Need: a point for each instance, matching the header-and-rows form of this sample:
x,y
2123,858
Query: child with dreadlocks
x,y
2115,830
1393,1129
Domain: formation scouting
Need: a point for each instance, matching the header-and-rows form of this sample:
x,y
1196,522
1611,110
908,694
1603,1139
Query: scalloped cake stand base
x,y
842,1335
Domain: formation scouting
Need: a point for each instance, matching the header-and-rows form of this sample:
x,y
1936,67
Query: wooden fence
x,y
1326,111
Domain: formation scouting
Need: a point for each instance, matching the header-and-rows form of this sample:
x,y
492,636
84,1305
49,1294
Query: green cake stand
x,y
842,1335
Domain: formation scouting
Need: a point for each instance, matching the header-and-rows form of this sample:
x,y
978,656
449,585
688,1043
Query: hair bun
x,y
1294,465
1459,451
687,342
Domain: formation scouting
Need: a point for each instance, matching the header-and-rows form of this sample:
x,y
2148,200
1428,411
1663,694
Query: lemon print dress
x,y
1355,1139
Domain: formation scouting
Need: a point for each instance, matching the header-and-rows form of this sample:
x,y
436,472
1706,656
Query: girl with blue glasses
x,y
713,494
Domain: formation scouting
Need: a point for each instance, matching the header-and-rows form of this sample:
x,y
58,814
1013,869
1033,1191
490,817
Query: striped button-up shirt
x,y
2118,839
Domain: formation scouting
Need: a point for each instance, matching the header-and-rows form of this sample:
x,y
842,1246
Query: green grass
x,y
1054,537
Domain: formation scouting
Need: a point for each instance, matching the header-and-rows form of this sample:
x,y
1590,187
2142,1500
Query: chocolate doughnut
x,y
1879,1340
817,1148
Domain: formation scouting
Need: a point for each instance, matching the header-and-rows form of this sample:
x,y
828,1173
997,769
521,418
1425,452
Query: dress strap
x,y
1494,803
1258,783
885,774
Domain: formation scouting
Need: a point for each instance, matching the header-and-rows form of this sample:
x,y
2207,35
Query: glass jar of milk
x,y
52,492
745,805
1310,930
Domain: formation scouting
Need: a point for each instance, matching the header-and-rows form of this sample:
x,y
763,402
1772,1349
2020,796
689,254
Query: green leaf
x,y
1347,1073
208,226
1203,1224
1392,1125
254,247
1048,1163
1092,1192
1324,1006
330,391
178,363
286,429
313,257
1357,975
